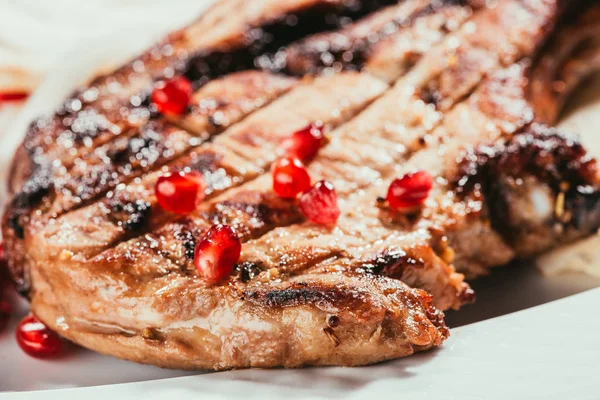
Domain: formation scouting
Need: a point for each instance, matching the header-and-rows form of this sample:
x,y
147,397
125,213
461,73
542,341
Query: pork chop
x,y
439,86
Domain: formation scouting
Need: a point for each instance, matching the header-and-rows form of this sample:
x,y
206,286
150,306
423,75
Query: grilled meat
x,y
440,86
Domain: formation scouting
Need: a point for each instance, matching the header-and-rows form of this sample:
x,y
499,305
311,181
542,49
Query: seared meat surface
x,y
444,86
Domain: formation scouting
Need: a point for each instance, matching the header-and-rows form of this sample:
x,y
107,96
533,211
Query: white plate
x,y
548,352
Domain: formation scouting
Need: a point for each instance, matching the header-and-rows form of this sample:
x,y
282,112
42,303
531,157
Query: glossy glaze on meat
x,y
440,86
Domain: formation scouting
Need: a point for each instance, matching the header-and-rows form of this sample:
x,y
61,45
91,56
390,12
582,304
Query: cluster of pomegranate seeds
x,y
319,204
409,191
172,96
290,177
217,253
180,192
305,143
36,339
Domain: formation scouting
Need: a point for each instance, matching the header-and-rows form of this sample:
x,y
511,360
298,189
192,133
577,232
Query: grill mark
x,y
266,42
391,263
339,52
294,296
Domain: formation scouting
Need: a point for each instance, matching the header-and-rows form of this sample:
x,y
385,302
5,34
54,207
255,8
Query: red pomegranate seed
x,y
305,143
36,339
409,191
13,96
290,178
5,310
180,192
172,96
319,204
217,253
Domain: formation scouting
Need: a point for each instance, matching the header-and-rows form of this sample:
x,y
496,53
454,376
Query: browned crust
x,y
380,318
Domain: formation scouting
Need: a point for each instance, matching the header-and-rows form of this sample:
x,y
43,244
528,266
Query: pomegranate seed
x,y
172,96
217,253
180,192
290,178
319,204
409,191
305,143
36,339
4,313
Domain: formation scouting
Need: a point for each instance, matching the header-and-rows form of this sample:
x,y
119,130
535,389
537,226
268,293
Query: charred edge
x,y
584,205
544,153
352,54
390,263
35,189
132,216
539,151
437,319
295,295
263,43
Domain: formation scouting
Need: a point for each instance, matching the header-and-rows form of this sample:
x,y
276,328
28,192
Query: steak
x,y
449,87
